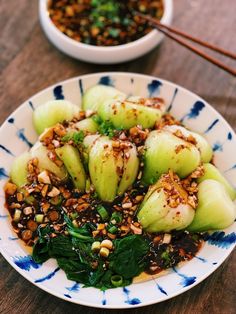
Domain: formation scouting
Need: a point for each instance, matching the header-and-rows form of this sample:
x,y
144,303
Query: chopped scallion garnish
x,y
117,217
103,212
117,280
112,229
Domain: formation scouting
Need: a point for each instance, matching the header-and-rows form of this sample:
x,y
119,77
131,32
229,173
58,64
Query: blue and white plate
x,y
17,135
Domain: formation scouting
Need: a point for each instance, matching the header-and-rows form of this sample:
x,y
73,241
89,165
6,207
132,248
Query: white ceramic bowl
x,y
104,55
17,133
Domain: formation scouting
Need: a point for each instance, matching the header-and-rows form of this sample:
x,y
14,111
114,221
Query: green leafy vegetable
x,y
41,248
83,250
211,172
215,210
18,173
201,143
40,152
74,269
52,112
128,113
96,95
82,233
166,151
104,162
75,257
101,278
61,246
79,235
87,125
128,257
72,160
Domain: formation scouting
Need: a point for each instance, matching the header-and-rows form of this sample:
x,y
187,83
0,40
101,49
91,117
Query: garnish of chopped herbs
x,y
105,127
76,137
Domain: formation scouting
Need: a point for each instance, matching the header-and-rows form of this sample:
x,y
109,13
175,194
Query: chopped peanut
x,y
107,243
28,210
53,215
139,198
89,113
26,235
20,197
96,246
135,229
167,238
45,207
127,205
100,227
32,225
59,129
54,192
43,177
44,190
15,205
95,233
104,252
111,236
46,135
124,230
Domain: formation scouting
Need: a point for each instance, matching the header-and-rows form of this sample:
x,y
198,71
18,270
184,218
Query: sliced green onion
x,y
56,200
30,200
112,229
39,218
103,213
165,256
117,217
74,215
117,280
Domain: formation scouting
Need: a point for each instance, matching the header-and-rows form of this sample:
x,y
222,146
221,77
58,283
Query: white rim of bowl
x,y
166,19
207,274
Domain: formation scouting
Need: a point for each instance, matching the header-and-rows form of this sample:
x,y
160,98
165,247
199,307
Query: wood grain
x,y
29,63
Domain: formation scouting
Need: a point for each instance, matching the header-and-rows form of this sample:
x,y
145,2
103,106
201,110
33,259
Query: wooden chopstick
x,y
190,37
167,30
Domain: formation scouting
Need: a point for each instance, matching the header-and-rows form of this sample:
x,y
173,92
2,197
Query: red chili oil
x,y
81,208
183,246
103,22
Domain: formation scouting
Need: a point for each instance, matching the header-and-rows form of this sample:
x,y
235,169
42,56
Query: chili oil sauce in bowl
x,y
122,43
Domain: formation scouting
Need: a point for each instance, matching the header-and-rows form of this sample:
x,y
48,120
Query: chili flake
x,y
103,22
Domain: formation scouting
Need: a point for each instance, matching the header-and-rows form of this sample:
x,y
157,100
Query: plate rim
x,y
125,305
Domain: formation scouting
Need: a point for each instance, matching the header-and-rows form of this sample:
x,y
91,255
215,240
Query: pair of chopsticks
x,y
169,31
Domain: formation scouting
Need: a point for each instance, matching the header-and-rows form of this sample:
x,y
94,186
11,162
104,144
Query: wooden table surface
x,y
29,63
